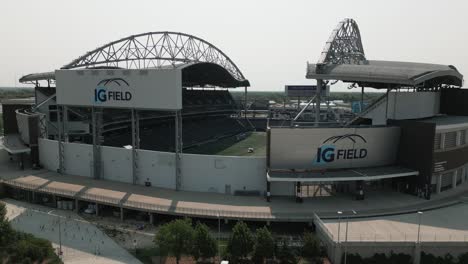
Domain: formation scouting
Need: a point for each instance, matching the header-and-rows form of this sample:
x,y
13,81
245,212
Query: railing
x,y
371,107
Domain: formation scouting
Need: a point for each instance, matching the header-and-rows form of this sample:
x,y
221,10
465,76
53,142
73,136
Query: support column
x,y
121,214
178,149
135,144
245,102
97,209
151,218
268,191
454,179
417,253
439,183
318,101
33,196
96,116
61,138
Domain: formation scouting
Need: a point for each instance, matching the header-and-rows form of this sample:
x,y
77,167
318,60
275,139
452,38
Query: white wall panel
x,y
203,173
117,164
158,168
406,105
78,159
48,154
210,173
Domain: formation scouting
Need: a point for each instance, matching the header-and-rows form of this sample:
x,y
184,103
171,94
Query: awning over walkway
x,y
366,174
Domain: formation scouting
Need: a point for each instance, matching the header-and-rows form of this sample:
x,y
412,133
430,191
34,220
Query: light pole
x,y
339,224
338,240
219,237
419,225
60,237
346,237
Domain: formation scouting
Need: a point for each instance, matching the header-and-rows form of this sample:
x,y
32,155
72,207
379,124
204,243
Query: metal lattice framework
x,y
344,45
155,49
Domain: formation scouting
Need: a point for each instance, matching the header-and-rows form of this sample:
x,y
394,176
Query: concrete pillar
x,y
226,221
439,183
463,174
54,200
151,218
77,208
442,140
417,253
337,255
121,214
268,223
33,196
454,179
97,209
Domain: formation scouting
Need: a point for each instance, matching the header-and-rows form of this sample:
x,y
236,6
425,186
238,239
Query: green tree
x,y
175,238
6,232
241,242
264,244
204,245
311,247
284,253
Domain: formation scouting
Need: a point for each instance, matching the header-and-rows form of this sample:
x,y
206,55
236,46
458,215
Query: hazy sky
x,y
270,41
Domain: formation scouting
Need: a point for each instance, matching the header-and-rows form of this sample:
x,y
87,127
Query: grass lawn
x,y
231,147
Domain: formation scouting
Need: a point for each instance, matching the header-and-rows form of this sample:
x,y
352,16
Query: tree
x,y
284,253
204,245
264,244
175,238
311,247
241,242
6,232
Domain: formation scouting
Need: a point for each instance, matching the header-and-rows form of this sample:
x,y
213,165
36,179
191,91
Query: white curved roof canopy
x,y
388,74
343,59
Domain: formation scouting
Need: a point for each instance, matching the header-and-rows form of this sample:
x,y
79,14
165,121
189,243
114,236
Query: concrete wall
x,y
158,168
202,173
116,164
209,173
406,105
78,159
48,154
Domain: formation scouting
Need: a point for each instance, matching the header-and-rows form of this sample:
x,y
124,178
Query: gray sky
x,y
270,41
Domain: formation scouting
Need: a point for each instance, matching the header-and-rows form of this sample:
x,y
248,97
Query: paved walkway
x,y
82,242
448,224
210,205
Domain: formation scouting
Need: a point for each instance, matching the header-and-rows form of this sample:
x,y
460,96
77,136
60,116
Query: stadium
x,y
154,114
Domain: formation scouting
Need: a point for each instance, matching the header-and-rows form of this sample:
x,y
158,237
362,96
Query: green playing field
x,y
231,147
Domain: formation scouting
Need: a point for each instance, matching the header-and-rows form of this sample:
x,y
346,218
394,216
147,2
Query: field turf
x,y
231,147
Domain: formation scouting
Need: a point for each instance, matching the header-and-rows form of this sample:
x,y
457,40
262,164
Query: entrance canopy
x,y
361,174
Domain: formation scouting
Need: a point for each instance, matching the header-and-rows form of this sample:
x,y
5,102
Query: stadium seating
x,y
205,118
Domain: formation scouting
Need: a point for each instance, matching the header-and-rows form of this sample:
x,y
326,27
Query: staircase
x,y
371,107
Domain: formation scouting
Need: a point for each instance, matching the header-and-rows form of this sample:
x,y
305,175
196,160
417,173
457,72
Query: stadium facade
x,y
128,111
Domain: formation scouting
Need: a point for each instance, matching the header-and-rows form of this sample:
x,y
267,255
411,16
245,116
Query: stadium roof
x,y
202,63
388,74
343,59
193,74
356,174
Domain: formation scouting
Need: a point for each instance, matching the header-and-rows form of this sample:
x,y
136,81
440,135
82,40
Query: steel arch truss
x,y
155,49
344,45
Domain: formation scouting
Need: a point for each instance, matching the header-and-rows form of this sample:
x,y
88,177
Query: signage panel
x,y
120,88
333,148
305,90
